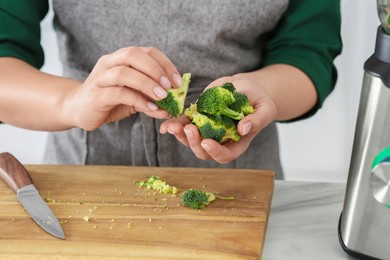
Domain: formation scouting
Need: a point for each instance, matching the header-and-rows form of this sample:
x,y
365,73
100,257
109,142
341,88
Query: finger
x,y
264,114
116,95
138,59
175,126
167,65
216,151
122,111
131,78
227,152
194,141
159,114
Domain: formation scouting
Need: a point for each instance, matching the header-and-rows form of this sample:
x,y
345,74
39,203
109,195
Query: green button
x,y
383,156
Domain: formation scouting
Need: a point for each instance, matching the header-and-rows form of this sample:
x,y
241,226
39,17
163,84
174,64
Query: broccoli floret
x,y
216,101
229,125
229,86
197,199
174,102
231,133
220,128
213,112
209,128
241,104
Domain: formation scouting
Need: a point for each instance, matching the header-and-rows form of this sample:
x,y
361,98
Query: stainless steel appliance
x,y
364,226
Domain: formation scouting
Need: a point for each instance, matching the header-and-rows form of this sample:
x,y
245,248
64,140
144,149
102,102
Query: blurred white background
x,y
316,149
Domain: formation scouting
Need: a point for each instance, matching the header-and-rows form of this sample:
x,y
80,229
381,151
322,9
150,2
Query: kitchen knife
x,y
16,176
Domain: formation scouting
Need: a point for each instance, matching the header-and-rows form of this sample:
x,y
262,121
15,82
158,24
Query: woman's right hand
x,y
121,84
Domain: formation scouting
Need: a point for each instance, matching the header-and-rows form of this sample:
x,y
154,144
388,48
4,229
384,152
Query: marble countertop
x,y
303,222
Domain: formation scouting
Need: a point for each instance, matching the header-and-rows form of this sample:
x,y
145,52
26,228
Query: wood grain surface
x,y
125,221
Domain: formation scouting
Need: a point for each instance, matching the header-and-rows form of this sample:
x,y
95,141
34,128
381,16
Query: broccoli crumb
x,y
49,200
155,183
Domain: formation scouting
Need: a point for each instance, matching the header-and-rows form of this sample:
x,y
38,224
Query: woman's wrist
x,y
67,106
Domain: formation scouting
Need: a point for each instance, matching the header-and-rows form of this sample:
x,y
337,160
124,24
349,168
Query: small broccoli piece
x,y
229,86
241,104
220,128
208,128
197,199
174,102
229,125
155,183
216,101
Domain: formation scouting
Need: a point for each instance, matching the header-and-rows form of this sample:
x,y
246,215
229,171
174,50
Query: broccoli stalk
x,y
241,102
216,101
174,102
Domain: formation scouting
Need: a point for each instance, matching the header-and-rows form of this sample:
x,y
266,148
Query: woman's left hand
x,y
248,127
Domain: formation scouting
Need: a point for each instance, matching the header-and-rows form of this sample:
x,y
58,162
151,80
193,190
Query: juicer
x,y
364,225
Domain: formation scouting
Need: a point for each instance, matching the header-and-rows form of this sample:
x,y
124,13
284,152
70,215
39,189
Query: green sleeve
x,y
20,30
308,37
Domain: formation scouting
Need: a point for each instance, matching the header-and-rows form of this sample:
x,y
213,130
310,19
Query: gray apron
x,y
209,38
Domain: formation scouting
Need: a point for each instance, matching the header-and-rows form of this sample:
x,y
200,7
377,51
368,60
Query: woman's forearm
x,y
291,89
121,84
32,99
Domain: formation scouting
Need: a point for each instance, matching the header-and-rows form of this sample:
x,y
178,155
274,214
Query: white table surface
x,y
303,222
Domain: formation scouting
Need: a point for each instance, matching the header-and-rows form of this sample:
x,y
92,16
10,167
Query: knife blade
x,y
13,173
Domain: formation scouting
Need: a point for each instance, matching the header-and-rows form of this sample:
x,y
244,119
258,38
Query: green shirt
x,y
307,36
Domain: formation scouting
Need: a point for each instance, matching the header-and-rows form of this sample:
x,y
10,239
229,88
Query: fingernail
x,y
247,127
160,92
165,83
151,106
171,131
188,133
177,80
205,146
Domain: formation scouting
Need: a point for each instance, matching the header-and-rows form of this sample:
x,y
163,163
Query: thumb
x,y
254,123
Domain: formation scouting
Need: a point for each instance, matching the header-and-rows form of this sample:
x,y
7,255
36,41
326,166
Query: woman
x,y
119,56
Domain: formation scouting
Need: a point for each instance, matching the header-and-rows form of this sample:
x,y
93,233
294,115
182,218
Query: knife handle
x,y
13,172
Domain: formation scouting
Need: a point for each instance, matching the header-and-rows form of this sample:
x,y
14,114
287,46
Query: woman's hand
x,y
248,127
121,84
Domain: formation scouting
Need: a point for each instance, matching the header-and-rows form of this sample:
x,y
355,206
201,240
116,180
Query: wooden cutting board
x,y
126,221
